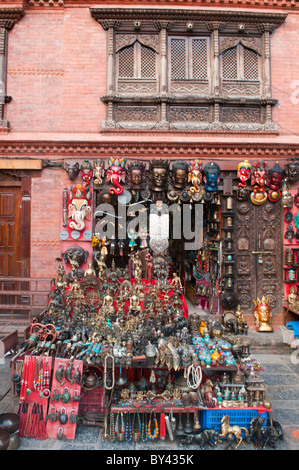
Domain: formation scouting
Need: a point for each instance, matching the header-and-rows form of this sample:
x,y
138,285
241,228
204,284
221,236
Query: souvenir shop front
x,y
146,335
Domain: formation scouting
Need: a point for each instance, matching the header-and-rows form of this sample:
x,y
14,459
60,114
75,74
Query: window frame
x,y
240,48
137,62
189,58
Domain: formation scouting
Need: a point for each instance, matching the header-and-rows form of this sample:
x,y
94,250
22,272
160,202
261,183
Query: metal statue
x,y
262,314
226,430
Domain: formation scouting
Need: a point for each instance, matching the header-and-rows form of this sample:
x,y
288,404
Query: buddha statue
x,y
90,271
108,300
293,301
134,307
262,313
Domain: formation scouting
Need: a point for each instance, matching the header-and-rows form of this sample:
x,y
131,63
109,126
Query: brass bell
x,y
229,203
286,197
188,427
288,256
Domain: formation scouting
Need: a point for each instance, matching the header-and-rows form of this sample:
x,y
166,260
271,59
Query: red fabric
x,y
153,282
146,282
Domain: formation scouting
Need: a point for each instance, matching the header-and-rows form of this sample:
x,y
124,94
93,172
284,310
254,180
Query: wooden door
x,y
258,247
10,231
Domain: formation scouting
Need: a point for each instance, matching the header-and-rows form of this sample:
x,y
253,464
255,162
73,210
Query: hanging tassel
x,y
41,433
162,426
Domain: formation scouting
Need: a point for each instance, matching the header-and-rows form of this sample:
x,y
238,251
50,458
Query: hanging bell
x,y
180,430
288,256
286,197
122,380
229,203
188,428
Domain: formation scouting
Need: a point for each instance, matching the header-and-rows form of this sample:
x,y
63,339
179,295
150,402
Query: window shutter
x,y
148,62
229,64
251,71
126,62
199,59
178,59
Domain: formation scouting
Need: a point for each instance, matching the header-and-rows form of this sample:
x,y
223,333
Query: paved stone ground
x,y
280,366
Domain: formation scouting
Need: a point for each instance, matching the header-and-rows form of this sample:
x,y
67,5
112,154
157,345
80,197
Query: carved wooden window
x,y
240,63
163,75
136,61
188,58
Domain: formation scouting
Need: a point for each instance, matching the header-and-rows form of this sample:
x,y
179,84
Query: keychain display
x,y
65,399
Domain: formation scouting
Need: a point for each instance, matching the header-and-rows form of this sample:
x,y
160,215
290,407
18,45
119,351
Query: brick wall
x,y
285,76
56,72
46,217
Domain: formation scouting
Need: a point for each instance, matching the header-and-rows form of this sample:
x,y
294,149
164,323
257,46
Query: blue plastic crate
x,y
211,419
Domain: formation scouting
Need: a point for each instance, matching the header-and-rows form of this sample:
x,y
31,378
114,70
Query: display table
x,y
289,314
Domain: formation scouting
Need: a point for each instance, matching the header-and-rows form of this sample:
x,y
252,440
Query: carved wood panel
x,y
258,248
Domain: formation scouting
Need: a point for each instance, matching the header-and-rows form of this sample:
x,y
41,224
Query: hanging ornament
x,y
286,197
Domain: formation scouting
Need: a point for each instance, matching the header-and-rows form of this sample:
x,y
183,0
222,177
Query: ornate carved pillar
x,y
215,27
110,26
267,29
8,17
163,27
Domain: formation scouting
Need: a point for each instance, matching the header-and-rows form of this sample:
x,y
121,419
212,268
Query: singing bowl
x,y
15,441
4,440
9,422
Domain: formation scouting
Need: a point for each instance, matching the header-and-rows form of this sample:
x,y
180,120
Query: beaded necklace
x,y
143,428
156,428
112,428
136,433
120,429
128,429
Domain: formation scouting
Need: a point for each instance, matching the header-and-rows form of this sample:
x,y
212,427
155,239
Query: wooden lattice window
x,y
240,63
188,58
137,61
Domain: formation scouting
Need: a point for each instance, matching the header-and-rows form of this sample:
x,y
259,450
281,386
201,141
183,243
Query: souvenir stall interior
x,y
118,347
